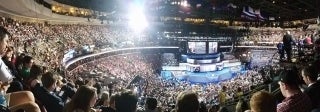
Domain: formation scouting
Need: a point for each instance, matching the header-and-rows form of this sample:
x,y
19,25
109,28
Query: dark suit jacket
x,y
287,41
107,109
51,102
314,93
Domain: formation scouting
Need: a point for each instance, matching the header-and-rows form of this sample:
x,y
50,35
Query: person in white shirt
x,y
17,100
5,75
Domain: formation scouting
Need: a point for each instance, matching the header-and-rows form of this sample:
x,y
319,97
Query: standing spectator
x,y
280,50
287,45
223,95
295,100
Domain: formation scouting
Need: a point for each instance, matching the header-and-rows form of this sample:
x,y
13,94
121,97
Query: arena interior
x,y
160,55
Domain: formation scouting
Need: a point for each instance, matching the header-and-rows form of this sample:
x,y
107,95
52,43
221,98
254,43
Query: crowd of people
x,y
30,51
126,67
273,36
56,40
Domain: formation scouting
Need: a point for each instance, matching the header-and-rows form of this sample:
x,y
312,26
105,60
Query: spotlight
x,y
137,19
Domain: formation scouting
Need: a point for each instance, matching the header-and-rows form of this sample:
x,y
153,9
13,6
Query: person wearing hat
x,y
295,100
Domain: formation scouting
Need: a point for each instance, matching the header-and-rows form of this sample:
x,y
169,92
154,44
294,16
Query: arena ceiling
x,y
224,9
285,9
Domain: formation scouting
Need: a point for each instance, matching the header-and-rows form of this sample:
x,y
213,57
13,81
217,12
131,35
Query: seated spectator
x,y
308,40
295,100
35,76
44,95
83,100
151,105
126,102
21,100
214,108
203,107
110,105
263,101
223,109
310,76
7,59
103,100
27,64
5,74
242,105
239,93
187,101
17,100
15,86
64,90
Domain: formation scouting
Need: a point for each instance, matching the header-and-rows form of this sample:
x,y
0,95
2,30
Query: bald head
x,y
288,32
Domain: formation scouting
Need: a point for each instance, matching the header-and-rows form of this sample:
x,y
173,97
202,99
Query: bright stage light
x,y
137,19
184,3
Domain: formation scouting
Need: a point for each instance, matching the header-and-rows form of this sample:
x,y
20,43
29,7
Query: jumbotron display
x,y
213,47
197,47
202,47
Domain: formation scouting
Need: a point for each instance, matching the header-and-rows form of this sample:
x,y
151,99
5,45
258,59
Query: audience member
x,y
295,100
223,95
126,102
151,105
287,45
242,105
110,105
187,101
310,76
8,60
47,45
16,100
263,101
104,99
27,64
5,75
83,100
44,94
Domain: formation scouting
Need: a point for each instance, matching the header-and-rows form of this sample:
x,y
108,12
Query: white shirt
x,y
5,74
310,84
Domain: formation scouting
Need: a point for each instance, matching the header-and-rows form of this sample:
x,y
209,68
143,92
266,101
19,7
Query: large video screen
x,y
197,47
213,47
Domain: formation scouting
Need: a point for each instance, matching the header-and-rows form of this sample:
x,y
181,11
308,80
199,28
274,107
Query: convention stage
x,y
203,77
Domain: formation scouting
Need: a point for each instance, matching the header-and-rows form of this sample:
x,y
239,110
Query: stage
x,y
203,77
